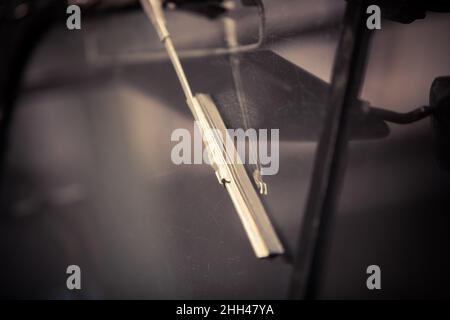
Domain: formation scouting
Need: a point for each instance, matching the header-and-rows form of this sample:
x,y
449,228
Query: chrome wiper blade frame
x,y
230,173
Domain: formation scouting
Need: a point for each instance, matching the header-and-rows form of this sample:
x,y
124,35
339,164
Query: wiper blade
x,y
229,172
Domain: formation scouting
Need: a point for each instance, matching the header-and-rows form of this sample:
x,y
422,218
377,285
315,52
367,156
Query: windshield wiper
x,y
230,173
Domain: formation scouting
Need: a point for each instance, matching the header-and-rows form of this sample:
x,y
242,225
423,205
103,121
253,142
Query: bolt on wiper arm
x,y
230,173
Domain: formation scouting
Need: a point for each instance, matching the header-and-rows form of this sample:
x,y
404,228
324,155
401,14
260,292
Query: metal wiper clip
x,y
230,173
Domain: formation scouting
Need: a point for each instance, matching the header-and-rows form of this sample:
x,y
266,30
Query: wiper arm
x,y
230,173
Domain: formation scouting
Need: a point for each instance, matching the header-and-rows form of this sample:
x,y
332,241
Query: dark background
x,y
89,179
